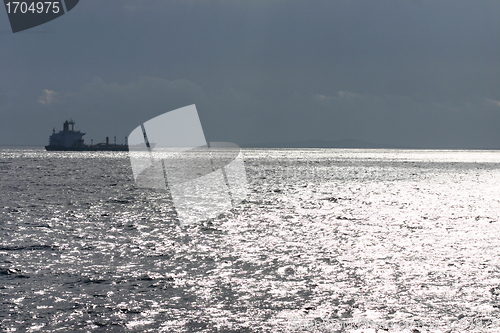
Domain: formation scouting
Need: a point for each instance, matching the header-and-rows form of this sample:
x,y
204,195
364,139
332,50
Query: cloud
x,y
147,96
408,120
47,97
492,102
143,87
363,101
271,111
103,108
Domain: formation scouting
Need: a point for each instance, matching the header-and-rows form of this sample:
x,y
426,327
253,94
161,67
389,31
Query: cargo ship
x,y
71,140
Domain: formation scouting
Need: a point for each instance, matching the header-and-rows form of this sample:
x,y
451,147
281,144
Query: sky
x,y
412,73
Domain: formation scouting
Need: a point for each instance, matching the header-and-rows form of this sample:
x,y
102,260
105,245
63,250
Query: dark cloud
x,y
416,73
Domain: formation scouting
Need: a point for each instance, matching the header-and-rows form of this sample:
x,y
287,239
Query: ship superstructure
x,y
67,138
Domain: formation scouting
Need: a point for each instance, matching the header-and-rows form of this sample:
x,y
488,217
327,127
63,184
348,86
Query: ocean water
x,y
328,240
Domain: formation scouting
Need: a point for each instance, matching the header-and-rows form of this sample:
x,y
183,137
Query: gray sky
x,y
420,73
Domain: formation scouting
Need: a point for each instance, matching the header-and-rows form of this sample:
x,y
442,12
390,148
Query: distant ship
x,y
71,140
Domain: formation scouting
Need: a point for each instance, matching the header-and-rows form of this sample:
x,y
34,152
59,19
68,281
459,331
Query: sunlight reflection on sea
x,y
327,240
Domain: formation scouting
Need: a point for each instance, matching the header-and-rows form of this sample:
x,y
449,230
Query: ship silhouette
x,y
71,140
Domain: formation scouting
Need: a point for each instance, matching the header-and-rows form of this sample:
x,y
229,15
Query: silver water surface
x,y
405,239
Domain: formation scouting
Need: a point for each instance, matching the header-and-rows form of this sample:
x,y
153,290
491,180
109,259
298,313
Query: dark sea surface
x,y
328,240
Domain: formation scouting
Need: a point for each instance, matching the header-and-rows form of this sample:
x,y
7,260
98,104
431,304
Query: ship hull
x,y
88,148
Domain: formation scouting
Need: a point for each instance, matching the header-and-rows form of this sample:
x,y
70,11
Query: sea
x,y
326,240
